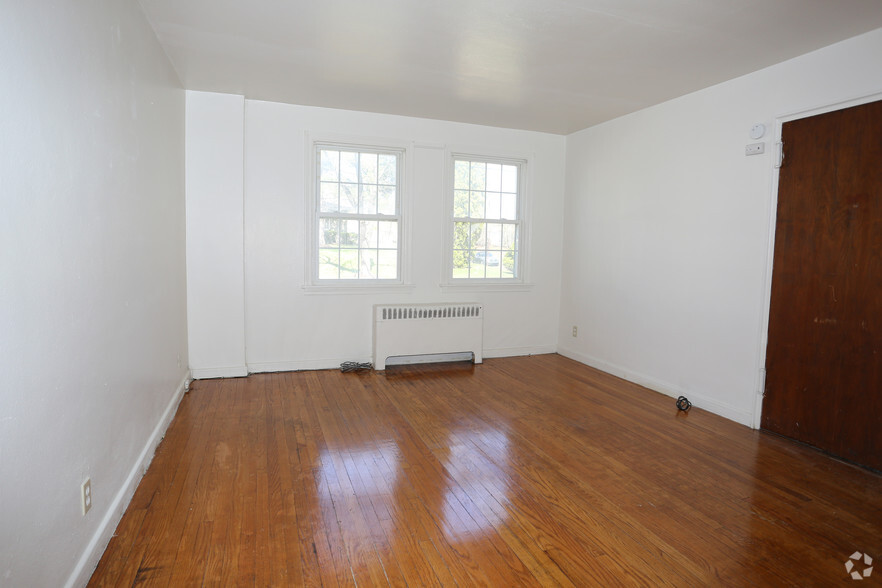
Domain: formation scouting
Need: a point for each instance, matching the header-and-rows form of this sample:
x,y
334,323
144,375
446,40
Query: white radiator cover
x,y
427,329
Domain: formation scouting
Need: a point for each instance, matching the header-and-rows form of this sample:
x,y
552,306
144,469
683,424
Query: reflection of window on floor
x,y
476,500
371,470
467,497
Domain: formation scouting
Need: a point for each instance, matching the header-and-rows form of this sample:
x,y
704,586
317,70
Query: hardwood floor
x,y
521,471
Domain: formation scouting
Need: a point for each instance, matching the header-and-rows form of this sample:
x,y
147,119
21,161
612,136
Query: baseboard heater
x,y
427,330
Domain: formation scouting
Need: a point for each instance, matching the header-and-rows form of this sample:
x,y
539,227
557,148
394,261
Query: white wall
x,y
667,229
215,225
288,327
92,275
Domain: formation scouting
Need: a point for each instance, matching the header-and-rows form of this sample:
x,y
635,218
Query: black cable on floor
x,y
683,403
354,366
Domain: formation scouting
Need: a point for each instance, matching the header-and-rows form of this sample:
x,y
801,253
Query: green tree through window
x,y
358,213
486,218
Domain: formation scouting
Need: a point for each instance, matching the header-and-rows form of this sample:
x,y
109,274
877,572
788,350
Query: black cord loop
x,y
354,366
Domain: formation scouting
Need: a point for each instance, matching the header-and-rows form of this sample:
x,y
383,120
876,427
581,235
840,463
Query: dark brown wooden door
x,y
823,376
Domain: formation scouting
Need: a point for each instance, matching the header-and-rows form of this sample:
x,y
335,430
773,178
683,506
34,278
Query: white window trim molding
x,y
374,288
525,190
311,283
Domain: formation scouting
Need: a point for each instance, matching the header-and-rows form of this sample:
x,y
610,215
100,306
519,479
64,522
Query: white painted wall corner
x,y
698,400
98,543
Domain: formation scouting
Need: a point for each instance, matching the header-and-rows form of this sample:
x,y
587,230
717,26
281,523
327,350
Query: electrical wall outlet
x,y
575,331
86,495
755,149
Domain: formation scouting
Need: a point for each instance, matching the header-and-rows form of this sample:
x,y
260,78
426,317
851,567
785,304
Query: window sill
x,y
311,289
486,287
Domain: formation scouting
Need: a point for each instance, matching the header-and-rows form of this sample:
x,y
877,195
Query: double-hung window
x,y
487,218
357,214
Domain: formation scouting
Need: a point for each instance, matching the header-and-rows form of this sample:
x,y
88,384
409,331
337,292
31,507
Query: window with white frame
x,y
357,214
487,229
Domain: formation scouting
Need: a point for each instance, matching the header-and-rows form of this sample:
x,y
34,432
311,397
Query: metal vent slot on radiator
x,y
427,330
410,312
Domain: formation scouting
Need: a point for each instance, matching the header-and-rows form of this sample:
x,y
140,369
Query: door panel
x,y
823,380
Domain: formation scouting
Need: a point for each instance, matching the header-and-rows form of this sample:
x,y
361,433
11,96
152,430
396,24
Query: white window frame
x,y
525,166
314,143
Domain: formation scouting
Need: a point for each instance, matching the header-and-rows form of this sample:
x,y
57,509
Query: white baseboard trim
x,y
518,351
236,371
723,409
334,363
95,549
303,365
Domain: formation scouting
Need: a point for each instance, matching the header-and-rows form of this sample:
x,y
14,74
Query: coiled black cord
x,y
354,366
683,403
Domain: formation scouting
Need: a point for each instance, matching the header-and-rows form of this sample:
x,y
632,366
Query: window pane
x,y
348,166
478,237
348,197
494,236
508,236
368,234
368,168
328,232
386,200
460,175
509,206
461,235
348,264
330,161
510,251
388,265
461,203
510,178
388,172
492,205
494,177
329,264
460,263
476,270
329,192
493,264
388,233
348,233
367,202
476,179
368,266
508,264
476,205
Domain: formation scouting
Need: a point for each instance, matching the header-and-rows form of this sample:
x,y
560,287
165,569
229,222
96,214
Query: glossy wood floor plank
x,y
535,471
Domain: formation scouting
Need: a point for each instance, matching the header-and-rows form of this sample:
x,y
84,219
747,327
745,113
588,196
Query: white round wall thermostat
x,y
757,131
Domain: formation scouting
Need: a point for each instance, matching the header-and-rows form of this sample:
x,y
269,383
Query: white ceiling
x,y
547,65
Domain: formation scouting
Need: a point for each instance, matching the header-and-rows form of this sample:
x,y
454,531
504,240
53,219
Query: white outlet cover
x,y
86,495
755,149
